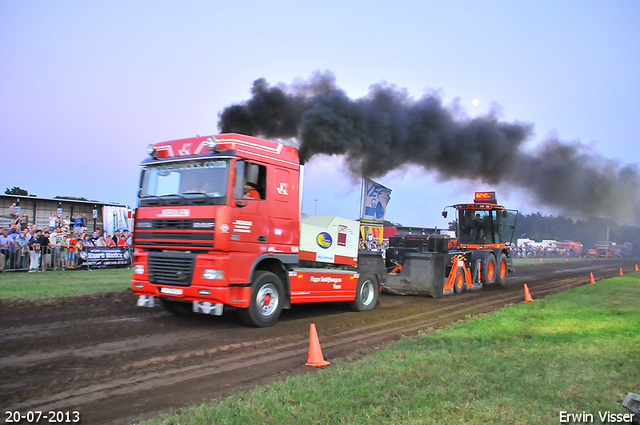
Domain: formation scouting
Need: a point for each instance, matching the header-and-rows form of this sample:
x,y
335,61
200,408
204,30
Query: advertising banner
x,y
376,198
115,218
96,257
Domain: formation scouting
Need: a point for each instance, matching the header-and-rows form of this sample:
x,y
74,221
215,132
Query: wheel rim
x,y
367,292
490,270
267,300
503,269
459,280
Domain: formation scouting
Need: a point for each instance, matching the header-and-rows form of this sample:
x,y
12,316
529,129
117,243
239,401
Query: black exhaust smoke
x,y
388,129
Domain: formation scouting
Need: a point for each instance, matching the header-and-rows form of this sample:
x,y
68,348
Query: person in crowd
x,y
84,222
21,249
122,241
34,251
129,238
52,221
45,248
86,241
24,221
77,225
4,249
100,241
11,248
56,237
13,211
116,236
71,252
65,224
109,241
64,251
95,236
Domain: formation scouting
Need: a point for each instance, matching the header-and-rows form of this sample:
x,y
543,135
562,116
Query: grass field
x,y
574,352
62,283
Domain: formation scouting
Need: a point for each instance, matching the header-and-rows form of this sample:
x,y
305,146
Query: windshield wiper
x,y
160,201
195,192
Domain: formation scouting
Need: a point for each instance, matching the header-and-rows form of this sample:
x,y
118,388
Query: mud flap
x,y
146,301
476,281
206,307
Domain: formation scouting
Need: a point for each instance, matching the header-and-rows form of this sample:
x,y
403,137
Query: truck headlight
x,y
212,274
138,269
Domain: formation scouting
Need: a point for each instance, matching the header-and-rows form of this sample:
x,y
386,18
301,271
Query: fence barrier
x,y
59,258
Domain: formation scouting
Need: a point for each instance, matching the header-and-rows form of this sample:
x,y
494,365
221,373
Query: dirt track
x,y
111,361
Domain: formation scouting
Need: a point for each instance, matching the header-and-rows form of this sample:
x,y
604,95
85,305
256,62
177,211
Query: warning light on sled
x,y
485,198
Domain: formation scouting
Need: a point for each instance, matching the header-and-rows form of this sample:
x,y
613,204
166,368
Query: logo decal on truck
x,y
186,149
242,226
283,189
175,212
324,240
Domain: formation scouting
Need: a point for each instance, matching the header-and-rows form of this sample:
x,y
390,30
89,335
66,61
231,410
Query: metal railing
x,y
43,258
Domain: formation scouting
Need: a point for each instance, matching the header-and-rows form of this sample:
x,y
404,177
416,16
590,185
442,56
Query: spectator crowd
x,y
57,247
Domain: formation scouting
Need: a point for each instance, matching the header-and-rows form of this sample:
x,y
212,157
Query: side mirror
x,y
240,204
444,214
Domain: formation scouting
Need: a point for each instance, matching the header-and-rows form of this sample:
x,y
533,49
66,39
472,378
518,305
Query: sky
x,y
86,86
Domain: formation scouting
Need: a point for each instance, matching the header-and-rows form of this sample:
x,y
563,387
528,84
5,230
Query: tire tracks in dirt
x,y
177,355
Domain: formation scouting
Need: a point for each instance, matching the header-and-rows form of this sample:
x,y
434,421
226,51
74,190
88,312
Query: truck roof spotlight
x,y
151,150
211,143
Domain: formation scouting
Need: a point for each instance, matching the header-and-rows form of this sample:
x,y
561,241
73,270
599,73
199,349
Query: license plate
x,y
171,291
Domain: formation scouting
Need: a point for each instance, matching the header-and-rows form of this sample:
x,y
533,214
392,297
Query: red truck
x,y
219,224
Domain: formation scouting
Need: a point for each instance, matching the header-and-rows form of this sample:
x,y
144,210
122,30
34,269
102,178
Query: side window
x,y
251,181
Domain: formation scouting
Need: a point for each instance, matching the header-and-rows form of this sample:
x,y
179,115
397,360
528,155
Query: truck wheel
x,y
501,272
265,305
459,284
178,308
489,270
367,291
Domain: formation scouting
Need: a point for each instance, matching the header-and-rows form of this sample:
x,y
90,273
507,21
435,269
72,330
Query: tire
x,y
501,271
489,269
179,308
267,297
367,292
459,284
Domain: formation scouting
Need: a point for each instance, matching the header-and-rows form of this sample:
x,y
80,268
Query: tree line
x,y
537,227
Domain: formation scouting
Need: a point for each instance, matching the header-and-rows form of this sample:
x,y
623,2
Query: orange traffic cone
x,y
527,294
592,280
621,274
315,352
566,259
541,259
637,268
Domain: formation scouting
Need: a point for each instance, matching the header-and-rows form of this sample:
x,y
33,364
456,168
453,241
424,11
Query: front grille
x,y
172,224
170,268
175,233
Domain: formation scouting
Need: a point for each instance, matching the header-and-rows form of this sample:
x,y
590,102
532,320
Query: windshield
x,y
486,226
204,178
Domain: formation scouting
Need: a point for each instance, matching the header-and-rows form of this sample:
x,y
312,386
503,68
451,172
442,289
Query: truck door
x,y
249,227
